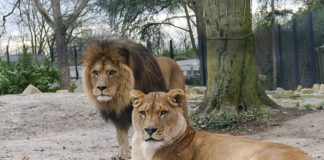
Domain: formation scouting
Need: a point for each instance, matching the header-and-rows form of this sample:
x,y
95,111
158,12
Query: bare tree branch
x,y
17,4
73,16
164,23
44,13
177,17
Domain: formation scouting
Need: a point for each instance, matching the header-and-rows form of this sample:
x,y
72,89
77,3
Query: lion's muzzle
x,y
103,98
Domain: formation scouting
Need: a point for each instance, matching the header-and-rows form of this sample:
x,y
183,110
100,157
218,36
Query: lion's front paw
x,y
119,157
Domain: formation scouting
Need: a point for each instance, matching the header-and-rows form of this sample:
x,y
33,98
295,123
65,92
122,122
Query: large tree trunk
x,y
232,84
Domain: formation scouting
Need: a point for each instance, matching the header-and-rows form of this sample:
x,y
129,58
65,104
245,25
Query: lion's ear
x,y
136,97
124,52
177,98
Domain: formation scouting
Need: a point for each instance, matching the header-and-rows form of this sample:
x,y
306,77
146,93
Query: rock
x,y
62,91
281,93
280,90
2,103
316,88
195,90
299,88
195,96
262,77
30,89
307,91
321,90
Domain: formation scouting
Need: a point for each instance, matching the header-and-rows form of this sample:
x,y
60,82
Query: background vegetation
x,y
14,78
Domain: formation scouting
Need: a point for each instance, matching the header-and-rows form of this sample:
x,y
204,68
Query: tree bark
x,y
232,84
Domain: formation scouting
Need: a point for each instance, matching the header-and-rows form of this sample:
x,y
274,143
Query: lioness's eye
x,y
164,113
143,113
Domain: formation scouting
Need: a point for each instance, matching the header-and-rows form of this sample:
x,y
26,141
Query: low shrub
x,y
14,78
228,120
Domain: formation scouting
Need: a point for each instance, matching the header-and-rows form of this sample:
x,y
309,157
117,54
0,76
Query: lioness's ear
x,y
136,97
176,97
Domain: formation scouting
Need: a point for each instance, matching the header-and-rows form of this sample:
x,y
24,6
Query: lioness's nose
x,y
102,87
150,131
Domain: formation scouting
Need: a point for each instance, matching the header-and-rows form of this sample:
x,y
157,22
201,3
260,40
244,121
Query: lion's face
x,y
159,117
105,77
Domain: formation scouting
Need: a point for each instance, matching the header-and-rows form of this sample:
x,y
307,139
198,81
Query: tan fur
x,y
172,73
175,138
122,65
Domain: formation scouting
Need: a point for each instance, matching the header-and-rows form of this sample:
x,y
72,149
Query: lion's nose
x,y
150,131
102,87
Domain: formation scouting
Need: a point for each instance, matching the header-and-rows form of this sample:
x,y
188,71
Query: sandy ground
x,y
55,126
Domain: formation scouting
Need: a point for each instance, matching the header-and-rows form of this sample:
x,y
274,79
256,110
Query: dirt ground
x,y
65,126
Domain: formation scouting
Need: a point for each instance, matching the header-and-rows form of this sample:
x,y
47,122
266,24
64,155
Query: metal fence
x,y
297,46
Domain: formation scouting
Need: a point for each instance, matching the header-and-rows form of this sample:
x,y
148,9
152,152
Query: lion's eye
x,y
112,72
163,113
96,73
143,113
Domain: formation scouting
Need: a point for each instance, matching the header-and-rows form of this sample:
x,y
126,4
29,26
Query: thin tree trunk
x,y
201,34
192,39
61,45
63,63
233,84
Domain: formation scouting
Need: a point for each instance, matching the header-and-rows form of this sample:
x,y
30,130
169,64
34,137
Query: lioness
x,y
163,132
114,67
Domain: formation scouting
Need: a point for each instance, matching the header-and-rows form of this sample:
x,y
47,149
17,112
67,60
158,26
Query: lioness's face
x,y
158,116
105,78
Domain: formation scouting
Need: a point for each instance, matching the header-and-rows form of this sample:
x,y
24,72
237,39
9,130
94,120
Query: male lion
x,y
163,132
114,67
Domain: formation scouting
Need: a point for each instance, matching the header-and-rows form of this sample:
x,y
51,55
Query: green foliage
x,y
313,5
297,104
186,54
308,106
74,85
180,54
304,106
14,78
228,121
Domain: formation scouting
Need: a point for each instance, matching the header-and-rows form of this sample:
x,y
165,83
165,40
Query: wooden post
x,y
7,54
280,75
171,50
202,58
76,63
52,54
